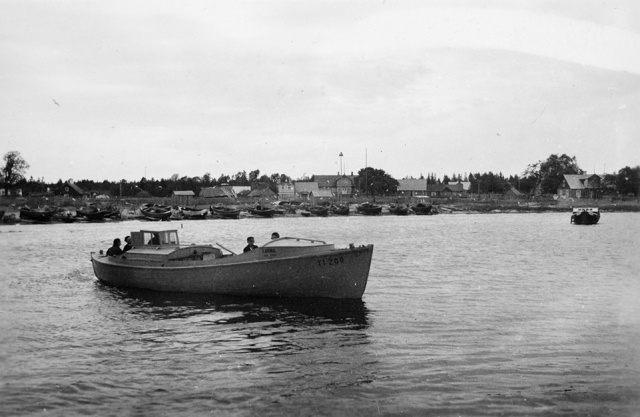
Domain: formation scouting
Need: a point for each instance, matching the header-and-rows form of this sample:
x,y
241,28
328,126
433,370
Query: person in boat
x,y
115,249
250,245
128,246
155,239
275,235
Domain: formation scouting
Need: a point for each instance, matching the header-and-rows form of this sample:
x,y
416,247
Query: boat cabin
x,y
155,238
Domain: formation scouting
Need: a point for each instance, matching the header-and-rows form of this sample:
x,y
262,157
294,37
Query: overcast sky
x,y
125,89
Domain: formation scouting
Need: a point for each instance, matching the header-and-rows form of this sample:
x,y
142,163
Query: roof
x,y
305,187
75,187
262,192
412,185
219,191
191,193
579,182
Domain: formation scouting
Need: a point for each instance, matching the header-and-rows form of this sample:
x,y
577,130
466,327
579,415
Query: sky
x,y
120,90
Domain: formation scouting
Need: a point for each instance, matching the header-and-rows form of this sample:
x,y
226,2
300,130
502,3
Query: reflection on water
x,y
164,305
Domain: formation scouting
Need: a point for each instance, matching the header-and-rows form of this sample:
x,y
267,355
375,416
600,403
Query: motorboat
x,y
262,211
399,209
586,215
340,209
282,267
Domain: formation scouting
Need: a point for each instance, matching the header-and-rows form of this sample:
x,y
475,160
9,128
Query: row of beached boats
x,y
159,212
90,212
283,208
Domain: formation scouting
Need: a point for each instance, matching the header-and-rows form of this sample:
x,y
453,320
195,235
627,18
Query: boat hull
x,y
585,218
340,273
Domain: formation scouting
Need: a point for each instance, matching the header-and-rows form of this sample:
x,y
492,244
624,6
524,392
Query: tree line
x,y
543,176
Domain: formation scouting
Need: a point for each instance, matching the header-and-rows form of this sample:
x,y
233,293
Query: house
x,y
263,194
304,189
70,190
512,193
410,187
320,195
182,198
338,185
218,192
286,191
580,186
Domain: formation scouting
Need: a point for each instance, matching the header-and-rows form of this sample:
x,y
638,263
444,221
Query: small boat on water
x,y
225,212
37,215
283,267
194,213
369,209
422,209
155,211
587,215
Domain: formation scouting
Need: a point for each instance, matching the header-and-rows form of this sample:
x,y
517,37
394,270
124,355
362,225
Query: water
x,y
473,315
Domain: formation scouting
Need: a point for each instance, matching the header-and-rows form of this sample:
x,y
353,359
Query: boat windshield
x,y
155,237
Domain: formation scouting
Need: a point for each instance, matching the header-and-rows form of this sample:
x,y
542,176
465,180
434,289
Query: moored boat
x,y
587,215
369,209
422,209
194,213
225,212
399,209
319,210
37,215
283,267
155,211
92,212
340,209
262,211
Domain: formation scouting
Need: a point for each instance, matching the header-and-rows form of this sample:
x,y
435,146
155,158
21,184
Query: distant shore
x,y
130,211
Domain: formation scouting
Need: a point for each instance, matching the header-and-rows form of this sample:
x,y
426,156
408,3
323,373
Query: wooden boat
x,y
319,210
225,212
283,267
92,212
37,215
340,209
262,211
588,215
369,209
399,209
155,211
422,209
66,216
194,213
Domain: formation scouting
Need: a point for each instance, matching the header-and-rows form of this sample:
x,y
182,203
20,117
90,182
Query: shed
x,y
183,198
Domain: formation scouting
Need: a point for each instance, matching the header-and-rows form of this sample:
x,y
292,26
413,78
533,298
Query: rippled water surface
x,y
500,314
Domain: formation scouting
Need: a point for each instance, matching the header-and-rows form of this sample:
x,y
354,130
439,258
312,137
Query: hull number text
x,y
331,261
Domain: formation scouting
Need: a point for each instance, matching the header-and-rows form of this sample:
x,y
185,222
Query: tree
x,y
376,182
628,181
15,168
550,173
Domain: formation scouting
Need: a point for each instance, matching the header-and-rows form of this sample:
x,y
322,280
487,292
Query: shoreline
x,y
12,214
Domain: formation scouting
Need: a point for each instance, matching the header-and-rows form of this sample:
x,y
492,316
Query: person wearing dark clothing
x,y
115,249
128,246
250,245
275,235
